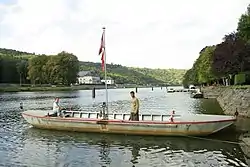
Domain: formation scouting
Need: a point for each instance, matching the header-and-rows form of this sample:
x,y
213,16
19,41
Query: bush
x,y
239,79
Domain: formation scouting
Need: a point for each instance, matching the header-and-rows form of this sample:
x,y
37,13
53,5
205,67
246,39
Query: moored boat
x,y
148,124
196,95
170,90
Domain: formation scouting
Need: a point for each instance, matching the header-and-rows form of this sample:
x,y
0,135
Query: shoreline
x,y
234,98
7,89
230,98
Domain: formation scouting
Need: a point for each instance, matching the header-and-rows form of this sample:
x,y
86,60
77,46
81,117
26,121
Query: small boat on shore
x,y
170,90
192,89
196,94
119,123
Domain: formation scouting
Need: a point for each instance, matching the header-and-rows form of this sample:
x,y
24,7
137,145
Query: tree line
x,y
25,68
225,63
141,76
28,68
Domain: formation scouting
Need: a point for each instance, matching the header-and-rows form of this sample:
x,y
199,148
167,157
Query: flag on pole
x,y
102,44
103,60
102,51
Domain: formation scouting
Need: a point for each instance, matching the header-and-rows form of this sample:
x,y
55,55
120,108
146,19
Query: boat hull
x,y
170,91
197,95
128,127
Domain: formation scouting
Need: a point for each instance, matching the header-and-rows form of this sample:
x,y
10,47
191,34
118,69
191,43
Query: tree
x,y
59,69
231,56
244,58
8,73
187,79
190,77
22,70
244,25
227,57
36,69
204,65
69,67
201,72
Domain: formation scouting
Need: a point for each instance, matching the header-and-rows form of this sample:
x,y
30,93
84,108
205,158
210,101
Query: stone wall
x,y
230,98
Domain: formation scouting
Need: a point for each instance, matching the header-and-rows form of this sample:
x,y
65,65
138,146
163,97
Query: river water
x,y
22,145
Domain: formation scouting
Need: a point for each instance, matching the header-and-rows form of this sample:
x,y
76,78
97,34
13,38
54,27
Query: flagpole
x,y
105,72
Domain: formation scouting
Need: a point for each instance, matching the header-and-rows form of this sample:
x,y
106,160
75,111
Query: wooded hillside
x,y
122,74
227,62
31,68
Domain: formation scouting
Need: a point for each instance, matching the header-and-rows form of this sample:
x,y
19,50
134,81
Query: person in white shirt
x,y
56,108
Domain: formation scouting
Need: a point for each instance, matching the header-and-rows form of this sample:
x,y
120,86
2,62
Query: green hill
x,y
9,59
122,74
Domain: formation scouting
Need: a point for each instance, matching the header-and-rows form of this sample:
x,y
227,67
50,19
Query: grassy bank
x,y
58,88
34,89
234,86
240,86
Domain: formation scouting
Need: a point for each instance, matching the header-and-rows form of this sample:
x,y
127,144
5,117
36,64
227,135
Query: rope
x,y
216,140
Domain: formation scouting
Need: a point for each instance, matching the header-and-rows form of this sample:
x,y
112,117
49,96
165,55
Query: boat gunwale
x,y
70,119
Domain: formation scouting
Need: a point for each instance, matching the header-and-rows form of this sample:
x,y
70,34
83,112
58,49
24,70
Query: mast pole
x,y
105,71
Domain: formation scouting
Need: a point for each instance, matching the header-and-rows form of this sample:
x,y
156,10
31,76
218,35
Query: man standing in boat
x,y
134,115
56,108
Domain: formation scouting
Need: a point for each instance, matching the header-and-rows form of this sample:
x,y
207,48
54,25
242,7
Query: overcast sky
x,y
140,33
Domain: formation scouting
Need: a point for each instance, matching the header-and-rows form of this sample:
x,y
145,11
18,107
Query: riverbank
x,y
34,89
231,98
15,88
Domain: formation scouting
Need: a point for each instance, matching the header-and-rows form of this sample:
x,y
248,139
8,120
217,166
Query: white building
x,y
85,77
110,81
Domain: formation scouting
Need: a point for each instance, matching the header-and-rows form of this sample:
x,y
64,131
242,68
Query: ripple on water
x,y
21,145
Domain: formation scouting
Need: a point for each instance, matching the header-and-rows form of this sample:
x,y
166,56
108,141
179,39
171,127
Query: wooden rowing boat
x,y
149,124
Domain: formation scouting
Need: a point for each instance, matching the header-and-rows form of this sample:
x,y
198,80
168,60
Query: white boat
x,y
170,90
148,124
197,94
192,88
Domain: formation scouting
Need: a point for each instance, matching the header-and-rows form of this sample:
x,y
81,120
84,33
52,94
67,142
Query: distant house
x,y
110,81
86,77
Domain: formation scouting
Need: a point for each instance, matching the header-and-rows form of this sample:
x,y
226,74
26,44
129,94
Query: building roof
x,y
87,73
84,73
108,78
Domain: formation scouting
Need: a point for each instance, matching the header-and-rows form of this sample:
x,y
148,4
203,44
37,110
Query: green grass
x,y
35,89
240,86
235,86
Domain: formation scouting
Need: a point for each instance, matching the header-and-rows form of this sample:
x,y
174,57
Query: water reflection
x,y
135,153
88,149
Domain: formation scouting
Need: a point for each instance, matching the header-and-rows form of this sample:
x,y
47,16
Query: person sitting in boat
x,y
134,115
56,108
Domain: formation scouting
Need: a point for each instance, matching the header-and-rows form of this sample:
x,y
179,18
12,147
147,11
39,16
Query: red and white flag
x,y
102,50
